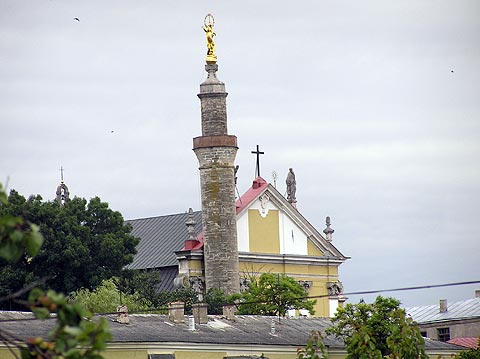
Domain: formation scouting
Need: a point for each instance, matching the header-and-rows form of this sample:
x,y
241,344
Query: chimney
x,y
477,293
200,313
122,314
191,323
272,327
176,312
229,311
443,306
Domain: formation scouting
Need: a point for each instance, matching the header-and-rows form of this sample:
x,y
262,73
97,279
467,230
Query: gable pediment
x,y
269,224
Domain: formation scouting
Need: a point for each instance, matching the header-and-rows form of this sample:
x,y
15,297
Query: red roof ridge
x,y
258,185
191,245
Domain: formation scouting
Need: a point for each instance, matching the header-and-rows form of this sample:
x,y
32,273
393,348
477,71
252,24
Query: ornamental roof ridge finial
x,y
328,231
209,22
190,223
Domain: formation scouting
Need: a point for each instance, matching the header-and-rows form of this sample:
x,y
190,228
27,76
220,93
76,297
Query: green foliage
x,y
215,299
84,243
106,297
186,295
17,235
315,348
378,330
75,334
272,294
144,283
473,353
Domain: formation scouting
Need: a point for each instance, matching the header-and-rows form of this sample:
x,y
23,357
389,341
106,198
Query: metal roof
x,y
465,309
167,276
244,330
160,237
465,342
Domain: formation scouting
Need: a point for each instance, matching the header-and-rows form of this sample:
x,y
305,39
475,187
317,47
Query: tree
x,y
215,299
74,335
272,294
378,330
84,243
315,348
107,296
146,284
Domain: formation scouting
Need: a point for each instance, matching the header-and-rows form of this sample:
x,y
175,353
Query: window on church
x,y
443,334
423,334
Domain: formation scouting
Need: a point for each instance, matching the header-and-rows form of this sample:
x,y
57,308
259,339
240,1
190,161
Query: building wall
x,y
266,229
467,328
263,228
263,234
142,351
319,275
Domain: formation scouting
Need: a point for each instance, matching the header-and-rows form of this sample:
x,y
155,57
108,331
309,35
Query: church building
x,y
230,240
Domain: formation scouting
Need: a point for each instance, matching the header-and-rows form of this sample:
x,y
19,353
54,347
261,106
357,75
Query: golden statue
x,y
208,28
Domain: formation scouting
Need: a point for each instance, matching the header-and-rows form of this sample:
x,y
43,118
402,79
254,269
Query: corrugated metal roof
x,y
469,308
465,342
160,237
245,330
167,275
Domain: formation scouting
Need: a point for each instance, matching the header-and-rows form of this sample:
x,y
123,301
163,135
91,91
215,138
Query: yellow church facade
x,y
273,237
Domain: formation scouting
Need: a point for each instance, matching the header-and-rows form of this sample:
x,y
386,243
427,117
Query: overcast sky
x,y
375,104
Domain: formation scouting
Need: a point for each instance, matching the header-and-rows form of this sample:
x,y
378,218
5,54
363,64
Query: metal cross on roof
x,y
258,153
61,171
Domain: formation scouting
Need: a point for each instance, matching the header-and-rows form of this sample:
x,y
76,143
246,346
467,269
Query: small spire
x,y
274,176
62,190
191,225
328,231
191,242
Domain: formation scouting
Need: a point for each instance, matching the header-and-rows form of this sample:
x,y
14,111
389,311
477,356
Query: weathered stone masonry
x,y
216,151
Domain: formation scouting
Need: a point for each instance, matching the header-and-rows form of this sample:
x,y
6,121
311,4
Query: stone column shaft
x,y
216,151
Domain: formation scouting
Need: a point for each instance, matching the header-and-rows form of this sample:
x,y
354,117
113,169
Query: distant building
x,y
174,336
62,193
272,237
446,322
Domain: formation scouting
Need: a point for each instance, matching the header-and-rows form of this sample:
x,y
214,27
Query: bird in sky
x,y
76,18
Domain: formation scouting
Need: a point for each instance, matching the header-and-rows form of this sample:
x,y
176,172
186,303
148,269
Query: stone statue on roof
x,y
291,186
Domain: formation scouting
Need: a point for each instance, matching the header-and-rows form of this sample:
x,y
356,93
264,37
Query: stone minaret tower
x,y
216,151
